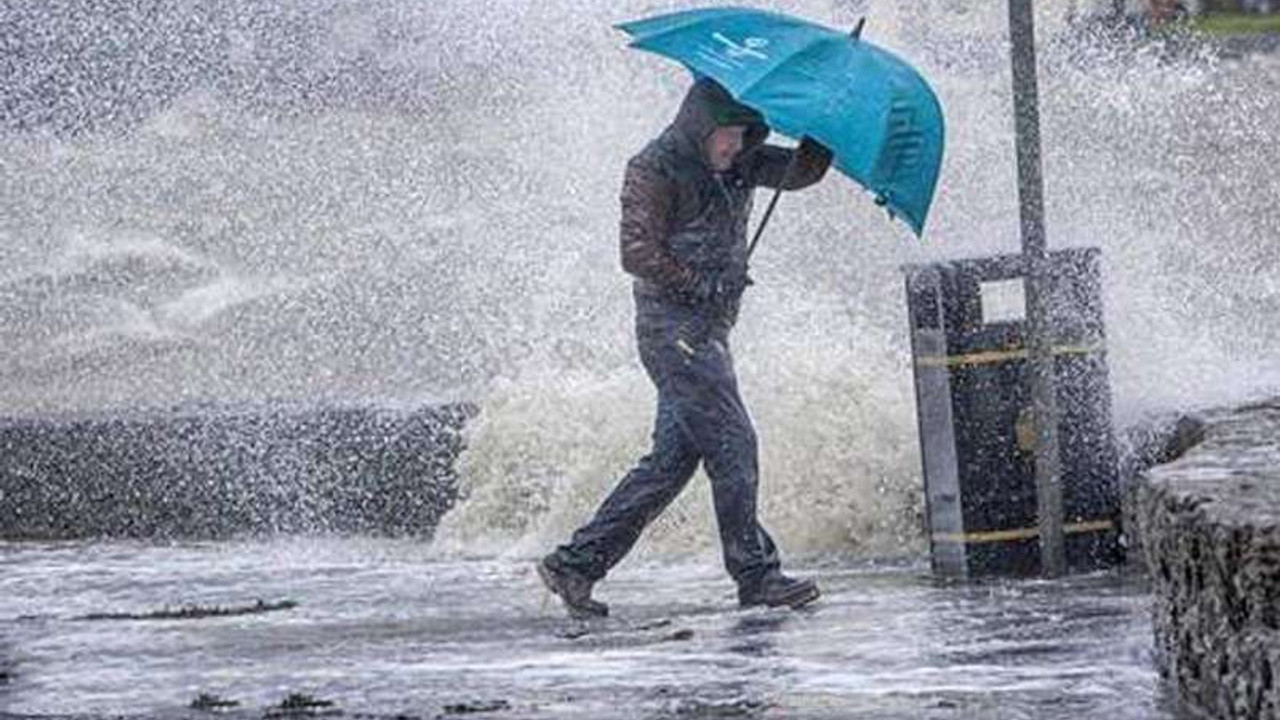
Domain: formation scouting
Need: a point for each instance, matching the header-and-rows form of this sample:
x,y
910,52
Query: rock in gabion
x,y
1210,531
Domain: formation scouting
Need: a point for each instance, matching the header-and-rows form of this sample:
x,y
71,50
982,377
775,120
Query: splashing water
x,y
417,202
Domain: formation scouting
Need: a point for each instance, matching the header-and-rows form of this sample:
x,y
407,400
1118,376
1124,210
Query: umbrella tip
x,y
857,30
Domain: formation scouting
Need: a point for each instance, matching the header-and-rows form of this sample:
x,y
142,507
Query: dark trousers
x,y
700,418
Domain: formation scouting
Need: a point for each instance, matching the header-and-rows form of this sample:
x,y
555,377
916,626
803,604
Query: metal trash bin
x,y
977,434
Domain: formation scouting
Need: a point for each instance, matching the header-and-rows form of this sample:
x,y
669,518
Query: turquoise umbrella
x,y
875,113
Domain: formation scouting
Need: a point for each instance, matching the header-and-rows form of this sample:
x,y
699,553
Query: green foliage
x,y
1237,23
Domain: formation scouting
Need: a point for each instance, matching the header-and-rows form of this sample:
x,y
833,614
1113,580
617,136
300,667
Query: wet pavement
x,y
383,628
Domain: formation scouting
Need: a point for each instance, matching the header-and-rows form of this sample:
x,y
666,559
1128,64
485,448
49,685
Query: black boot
x,y
776,590
574,589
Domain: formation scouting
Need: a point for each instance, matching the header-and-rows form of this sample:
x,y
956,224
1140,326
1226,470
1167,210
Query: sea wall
x,y
217,472
1208,525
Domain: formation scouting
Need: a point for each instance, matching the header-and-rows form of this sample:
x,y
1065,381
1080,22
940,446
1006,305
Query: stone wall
x,y
1209,528
216,472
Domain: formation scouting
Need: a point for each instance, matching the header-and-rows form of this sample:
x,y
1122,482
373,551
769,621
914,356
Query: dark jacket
x,y
682,221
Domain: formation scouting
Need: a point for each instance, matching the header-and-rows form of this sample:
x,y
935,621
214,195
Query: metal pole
x,y
773,202
1038,283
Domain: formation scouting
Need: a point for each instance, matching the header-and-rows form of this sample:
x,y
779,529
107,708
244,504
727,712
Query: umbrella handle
x,y
773,203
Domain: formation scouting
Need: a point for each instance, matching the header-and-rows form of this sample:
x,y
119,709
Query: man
x,y
686,199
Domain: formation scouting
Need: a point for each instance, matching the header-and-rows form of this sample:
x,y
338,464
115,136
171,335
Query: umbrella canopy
x,y
876,114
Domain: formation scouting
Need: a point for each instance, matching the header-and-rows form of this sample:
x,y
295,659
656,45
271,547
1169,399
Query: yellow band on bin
x,y
995,536
991,357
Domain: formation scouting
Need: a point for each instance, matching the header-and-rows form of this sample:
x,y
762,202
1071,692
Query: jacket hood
x,y
707,106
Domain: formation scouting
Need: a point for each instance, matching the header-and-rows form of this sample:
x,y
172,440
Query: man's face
x,y
723,145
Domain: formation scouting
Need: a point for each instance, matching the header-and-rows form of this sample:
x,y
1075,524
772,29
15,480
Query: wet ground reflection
x,y
384,629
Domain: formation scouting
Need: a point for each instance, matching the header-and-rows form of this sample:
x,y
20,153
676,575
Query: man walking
x,y
686,200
